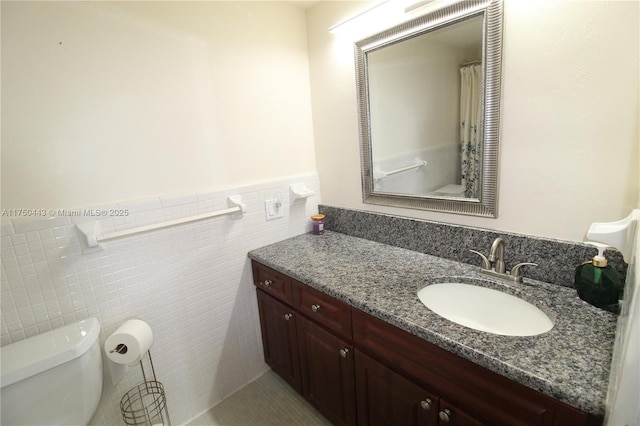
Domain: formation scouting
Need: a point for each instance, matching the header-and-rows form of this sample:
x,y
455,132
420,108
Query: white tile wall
x,y
191,283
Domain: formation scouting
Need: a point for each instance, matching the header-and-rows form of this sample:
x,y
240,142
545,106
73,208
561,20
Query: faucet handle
x,y
485,262
516,273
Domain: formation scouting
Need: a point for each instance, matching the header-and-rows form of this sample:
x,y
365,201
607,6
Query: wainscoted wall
x,y
192,283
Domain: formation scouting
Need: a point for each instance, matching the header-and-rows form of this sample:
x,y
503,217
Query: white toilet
x,y
54,378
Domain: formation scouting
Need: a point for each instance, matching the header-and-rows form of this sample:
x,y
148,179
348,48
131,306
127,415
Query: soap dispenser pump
x,y
598,282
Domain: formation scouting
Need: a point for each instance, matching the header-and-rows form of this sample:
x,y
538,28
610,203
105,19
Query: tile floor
x,y
267,401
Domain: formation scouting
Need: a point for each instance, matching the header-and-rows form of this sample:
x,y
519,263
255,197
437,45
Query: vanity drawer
x,y
272,282
323,309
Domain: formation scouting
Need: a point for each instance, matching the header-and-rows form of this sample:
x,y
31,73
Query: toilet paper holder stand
x,y
146,403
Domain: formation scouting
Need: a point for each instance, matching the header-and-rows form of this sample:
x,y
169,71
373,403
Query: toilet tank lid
x,y
44,351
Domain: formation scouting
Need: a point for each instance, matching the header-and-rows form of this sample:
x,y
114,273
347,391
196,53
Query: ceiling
x,y
303,4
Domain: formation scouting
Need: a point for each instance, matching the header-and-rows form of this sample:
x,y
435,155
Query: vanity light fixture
x,y
426,6
382,15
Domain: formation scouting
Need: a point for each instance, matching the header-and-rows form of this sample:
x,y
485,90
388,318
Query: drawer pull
x,y
288,316
267,283
315,308
344,352
445,415
425,404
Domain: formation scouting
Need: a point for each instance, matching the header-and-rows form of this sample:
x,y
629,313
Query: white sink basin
x,y
485,309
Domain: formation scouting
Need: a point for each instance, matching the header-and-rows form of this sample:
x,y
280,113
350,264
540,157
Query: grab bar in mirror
x,y
379,174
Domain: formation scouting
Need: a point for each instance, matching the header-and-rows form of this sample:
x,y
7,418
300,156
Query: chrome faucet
x,y
495,265
496,256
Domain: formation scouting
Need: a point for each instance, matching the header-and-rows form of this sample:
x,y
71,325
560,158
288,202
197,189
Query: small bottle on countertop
x,y
318,223
598,282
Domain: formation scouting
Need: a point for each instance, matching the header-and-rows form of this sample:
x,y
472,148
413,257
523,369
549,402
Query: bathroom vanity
x,y
342,323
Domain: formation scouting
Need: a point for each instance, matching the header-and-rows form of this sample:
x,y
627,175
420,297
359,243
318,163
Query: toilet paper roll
x,y
129,343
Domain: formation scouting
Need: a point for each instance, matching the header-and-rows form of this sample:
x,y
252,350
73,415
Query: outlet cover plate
x,y
273,209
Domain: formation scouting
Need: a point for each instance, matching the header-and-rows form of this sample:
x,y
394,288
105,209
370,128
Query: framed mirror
x,y
429,110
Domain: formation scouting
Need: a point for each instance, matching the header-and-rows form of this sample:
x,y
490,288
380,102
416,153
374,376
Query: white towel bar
x,y
139,229
91,232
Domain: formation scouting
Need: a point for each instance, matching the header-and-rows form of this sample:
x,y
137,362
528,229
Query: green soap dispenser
x,y
598,282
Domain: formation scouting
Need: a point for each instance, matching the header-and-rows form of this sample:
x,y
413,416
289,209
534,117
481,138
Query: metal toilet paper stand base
x,y
146,404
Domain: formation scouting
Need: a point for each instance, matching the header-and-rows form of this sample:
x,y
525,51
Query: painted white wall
x,y
569,138
162,109
125,100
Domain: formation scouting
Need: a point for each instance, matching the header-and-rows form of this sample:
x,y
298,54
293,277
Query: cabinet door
x,y
279,338
327,372
450,415
387,398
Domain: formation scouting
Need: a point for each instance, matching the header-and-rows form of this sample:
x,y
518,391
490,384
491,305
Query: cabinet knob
x,y
315,308
445,415
344,352
288,316
425,404
267,283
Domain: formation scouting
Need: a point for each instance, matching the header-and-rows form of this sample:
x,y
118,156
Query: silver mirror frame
x,y
487,204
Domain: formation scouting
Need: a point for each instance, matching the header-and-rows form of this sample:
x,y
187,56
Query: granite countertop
x,y
571,362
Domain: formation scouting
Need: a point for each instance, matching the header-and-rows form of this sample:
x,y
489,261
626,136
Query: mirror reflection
x,y
425,99
429,99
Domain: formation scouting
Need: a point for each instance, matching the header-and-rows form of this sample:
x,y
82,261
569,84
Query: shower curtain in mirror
x,y
470,128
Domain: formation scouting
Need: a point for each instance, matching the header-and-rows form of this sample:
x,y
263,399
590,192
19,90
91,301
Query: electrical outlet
x,y
273,208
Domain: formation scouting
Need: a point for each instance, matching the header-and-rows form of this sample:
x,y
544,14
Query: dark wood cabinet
x,y
280,339
327,372
358,369
465,389
451,415
272,282
323,309
388,398
306,338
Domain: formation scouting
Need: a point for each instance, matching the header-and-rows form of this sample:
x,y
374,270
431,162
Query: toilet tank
x,y
53,378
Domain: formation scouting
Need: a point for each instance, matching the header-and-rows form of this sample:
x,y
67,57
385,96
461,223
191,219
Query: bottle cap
x,y
599,260
317,217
